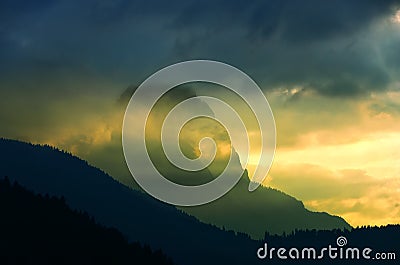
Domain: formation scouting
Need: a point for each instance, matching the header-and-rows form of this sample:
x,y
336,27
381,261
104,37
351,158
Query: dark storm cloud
x,y
12,9
320,45
293,21
320,20
325,46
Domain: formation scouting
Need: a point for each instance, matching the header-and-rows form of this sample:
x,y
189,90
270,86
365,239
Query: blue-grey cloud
x,y
330,47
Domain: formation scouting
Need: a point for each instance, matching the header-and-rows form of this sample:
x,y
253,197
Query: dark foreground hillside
x,y
38,229
139,217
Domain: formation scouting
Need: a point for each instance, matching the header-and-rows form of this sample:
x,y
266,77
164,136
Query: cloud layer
x,y
340,48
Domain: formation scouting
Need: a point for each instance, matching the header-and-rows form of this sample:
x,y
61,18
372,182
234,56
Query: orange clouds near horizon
x,y
350,169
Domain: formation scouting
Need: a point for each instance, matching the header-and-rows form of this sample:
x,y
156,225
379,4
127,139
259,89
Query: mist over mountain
x,y
253,213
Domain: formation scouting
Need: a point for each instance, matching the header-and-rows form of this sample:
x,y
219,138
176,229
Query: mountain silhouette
x,y
262,210
46,170
38,229
252,213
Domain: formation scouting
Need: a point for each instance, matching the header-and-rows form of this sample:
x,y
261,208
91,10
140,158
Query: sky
x,y
330,70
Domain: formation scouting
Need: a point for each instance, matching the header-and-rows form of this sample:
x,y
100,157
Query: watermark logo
x,y
340,251
341,241
152,89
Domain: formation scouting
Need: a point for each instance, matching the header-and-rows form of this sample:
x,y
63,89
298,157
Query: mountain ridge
x,y
44,169
44,230
252,213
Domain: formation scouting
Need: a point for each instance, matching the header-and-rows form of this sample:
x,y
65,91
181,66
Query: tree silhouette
x,y
42,229
38,229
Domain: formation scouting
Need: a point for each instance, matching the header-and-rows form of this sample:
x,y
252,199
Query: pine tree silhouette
x,y
36,229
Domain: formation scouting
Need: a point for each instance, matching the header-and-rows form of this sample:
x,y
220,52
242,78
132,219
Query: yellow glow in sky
x,y
396,17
